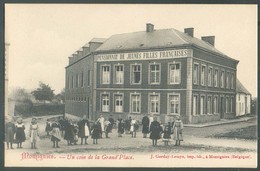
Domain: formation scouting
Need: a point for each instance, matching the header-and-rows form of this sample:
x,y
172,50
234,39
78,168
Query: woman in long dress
x,y
145,123
177,131
55,133
133,127
34,135
84,130
19,132
156,131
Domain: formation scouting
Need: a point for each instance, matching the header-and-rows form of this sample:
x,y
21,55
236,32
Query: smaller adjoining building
x,y
243,100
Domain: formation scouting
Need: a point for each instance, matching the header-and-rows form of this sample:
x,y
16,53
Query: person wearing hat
x,y
84,129
9,133
33,134
177,131
145,123
19,132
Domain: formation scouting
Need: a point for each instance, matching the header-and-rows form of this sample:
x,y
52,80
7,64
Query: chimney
x,y
80,53
209,39
149,27
189,31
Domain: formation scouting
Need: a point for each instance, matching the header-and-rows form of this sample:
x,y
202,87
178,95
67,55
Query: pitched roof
x,y
240,88
98,40
155,39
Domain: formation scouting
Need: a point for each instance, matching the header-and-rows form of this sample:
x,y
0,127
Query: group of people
x,y
157,131
15,133
75,131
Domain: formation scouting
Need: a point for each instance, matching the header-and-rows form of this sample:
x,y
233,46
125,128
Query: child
x,y
9,133
19,132
75,132
95,133
69,134
133,128
120,127
55,134
48,127
84,130
34,137
167,133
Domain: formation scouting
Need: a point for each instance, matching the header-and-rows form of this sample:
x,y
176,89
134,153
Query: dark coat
x,y
20,134
9,132
121,126
69,134
81,125
167,132
95,131
156,130
48,127
145,123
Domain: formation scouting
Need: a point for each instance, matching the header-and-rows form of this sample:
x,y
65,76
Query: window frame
x,y
169,107
216,83
101,104
222,81
197,105
215,108
132,74
209,112
115,73
131,104
198,78
114,101
205,75
169,73
101,75
149,75
150,104
204,105
210,76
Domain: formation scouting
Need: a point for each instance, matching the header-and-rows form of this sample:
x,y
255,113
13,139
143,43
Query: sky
x,y
43,36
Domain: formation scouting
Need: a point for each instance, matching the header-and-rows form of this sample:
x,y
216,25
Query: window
x,y
222,79
72,84
82,79
210,72
105,77
174,104
119,103
136,74
215,104
89,77
203,75
174,73
154,103
68,82
202,105
105,103
77,80
209,105
232,81
227,105
196,74
195,105
119,74
231,104
136,103
227,80
154,74
216,78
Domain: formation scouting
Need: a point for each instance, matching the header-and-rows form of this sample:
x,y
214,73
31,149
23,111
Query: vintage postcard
x,y
136,85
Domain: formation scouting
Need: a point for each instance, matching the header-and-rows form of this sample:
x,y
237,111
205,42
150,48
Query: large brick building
x,y
164,72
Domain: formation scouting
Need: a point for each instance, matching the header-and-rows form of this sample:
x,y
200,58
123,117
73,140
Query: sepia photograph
x,y
130,85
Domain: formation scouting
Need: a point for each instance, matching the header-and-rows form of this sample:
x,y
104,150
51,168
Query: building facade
x,y
164,72
6,77
243,100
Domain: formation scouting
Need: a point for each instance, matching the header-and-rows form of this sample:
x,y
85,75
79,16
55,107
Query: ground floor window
x,y
209,105
202,105
174,104
215,104
136,103
105,103
195,105
119,103
154,103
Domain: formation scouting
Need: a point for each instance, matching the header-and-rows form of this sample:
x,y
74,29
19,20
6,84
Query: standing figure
x,y
128,125
145,123
55,133
156,130
9,133
69,134
75,133
101,121
84,130
95,133
34,135
62,125
134,127
150,121
120,127
48,127
111,120
167,133
108,127
177,131
19,132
